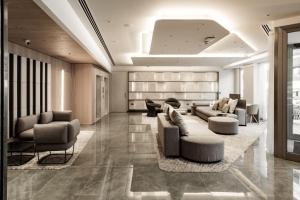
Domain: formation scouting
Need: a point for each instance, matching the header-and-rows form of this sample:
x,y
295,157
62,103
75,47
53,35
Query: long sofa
x,y
240,112
200,145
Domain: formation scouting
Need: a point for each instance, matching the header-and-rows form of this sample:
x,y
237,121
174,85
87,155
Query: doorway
x,y
98,97
287,93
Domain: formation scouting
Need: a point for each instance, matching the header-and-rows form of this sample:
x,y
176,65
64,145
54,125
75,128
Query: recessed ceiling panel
x,y
231,44
183,61
185,36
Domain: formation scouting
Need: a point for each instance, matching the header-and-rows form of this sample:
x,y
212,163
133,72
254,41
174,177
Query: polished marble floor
x,y
119,162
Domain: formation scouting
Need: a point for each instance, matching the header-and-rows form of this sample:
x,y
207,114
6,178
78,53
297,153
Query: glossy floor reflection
x,y
119,162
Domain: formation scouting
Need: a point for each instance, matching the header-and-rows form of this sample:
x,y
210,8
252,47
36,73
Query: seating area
x,y
142,100
49,131
176,140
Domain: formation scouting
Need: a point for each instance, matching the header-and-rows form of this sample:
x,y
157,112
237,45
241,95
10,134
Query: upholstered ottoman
x,y
223,125
202,148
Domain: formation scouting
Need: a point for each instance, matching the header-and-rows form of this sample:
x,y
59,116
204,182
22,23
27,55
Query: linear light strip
x,y
95,27
62,95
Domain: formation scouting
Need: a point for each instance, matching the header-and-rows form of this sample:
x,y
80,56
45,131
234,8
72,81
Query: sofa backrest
x,y
242,104
62,116
25,123
46,117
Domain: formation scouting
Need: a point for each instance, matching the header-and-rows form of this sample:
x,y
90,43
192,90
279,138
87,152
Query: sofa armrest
x,y
50,133
62,116
169,136
241,116
73,129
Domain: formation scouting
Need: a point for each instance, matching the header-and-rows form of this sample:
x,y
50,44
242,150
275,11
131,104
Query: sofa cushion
x,y
62,116
46,117
222,102
225,108
25,123
27,135
215,106
208,111
232,105
51,133
177,119
169,112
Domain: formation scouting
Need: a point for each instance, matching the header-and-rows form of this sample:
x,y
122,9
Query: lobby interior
x,y
136,99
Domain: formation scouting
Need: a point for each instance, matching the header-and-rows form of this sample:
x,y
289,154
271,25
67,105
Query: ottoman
x,y
205,149
223,125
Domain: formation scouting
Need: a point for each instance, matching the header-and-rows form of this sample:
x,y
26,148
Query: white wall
x,y
226,82
248,80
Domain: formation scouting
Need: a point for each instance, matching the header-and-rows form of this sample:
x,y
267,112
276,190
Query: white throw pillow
x,y
177,119
170,110
165,107
232,105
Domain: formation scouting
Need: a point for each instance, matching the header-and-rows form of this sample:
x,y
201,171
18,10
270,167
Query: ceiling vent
x,y
209,39
266,29
88,14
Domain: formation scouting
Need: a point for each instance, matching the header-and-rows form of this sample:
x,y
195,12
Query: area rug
x,y
82,140
234,146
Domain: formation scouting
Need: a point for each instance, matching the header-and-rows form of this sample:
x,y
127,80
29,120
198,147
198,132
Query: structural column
x,y
4,84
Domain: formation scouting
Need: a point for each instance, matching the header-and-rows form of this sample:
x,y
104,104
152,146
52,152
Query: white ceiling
x,y
184,36
127,25
231,44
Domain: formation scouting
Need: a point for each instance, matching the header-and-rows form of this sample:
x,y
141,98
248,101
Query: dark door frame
x,y
280,91
4,99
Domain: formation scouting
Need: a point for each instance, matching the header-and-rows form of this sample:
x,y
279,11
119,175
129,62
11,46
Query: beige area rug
x,y
234,146
82,140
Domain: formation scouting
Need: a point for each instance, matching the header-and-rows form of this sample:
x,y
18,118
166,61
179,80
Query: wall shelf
x,y
158,86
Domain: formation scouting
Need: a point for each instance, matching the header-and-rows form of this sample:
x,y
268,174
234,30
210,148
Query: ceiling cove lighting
x,y
201,55
249,60
189,13
62,94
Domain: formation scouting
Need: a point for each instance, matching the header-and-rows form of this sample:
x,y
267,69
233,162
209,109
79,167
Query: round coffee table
x,y
223,125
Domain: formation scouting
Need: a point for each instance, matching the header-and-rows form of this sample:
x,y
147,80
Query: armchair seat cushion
x,y
27,135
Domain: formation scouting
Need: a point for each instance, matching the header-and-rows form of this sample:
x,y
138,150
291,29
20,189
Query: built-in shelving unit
x,y
187,87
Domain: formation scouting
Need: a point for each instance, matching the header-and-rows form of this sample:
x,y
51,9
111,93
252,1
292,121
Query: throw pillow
x,y
215,106
232,105
222,103
177,119
225,108
170,110
165,107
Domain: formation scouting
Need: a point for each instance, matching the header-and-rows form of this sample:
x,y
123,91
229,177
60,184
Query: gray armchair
x,y
56,132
